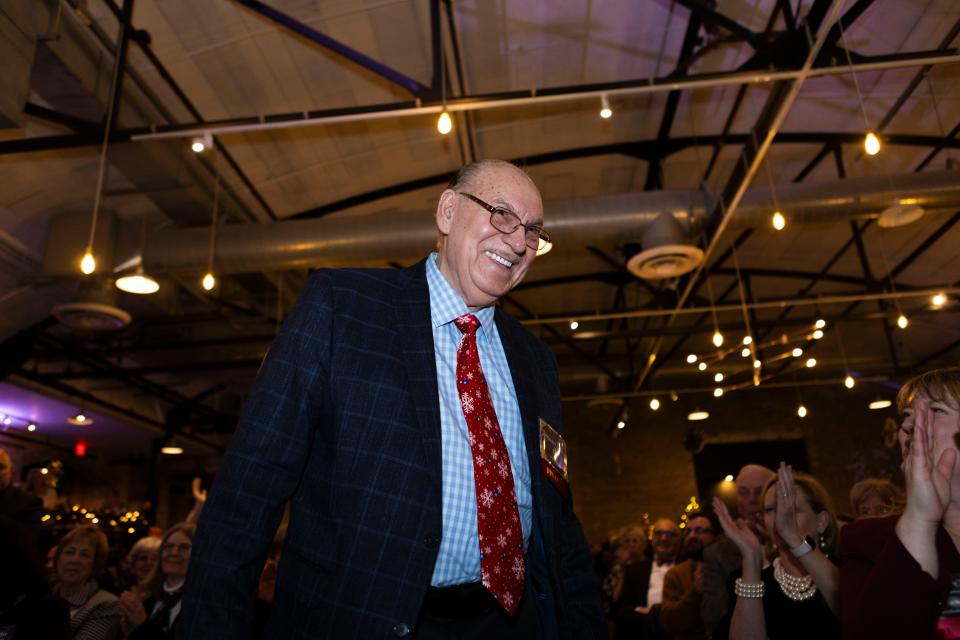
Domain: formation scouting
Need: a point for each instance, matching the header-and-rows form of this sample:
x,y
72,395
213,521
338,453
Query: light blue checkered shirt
x,y
458,560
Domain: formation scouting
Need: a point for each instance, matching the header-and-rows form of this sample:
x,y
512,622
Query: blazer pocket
x,y
304,577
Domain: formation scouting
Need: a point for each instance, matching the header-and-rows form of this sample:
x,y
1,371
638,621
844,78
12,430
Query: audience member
x,y
151,610
897,569
139,562
875,497
14,503
643,584
267,584
78,559
27,610
795,596
680,608
723,559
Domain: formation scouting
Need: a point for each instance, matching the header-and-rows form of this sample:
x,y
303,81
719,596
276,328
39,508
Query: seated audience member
x,y
77,560
267,585
643,585
14,503
875,497
897,569
680,608
723,559
140,561
629,544
795,596
27,610
150,610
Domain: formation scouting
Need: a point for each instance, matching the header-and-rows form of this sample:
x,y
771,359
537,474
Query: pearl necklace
x,y
797,589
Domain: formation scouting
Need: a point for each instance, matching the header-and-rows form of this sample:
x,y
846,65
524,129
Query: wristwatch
x,y
807,545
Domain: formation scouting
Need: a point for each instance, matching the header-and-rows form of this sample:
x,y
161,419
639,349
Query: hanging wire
x,y
936,112
856,82
103,150
213,217
773,189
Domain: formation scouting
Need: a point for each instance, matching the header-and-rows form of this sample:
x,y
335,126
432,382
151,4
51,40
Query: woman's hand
x,y
928,480
131,608
740,533
199,493
786,520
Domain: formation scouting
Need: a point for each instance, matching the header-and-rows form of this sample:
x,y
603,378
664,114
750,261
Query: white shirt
x,y
655,590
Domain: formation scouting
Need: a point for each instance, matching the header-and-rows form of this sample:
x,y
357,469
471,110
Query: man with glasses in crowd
x,y
635,612
414,427
679,613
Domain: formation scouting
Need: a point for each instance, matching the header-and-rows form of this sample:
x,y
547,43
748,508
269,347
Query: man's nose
x,y
517,240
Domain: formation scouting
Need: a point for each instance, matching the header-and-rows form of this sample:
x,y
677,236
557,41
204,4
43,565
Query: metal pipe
x,y
538,97
613,220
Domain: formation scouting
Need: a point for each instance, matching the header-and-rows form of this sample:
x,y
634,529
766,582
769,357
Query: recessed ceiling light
x,y
698,415
880,404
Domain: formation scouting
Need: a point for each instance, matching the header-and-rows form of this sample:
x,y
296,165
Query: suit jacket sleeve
x,y
680,608
260,472
719,561
883,591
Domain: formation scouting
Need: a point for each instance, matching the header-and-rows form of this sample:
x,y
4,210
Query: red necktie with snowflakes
x,y
498,518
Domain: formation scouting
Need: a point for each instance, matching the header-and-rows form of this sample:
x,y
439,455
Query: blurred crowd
x,y
784,564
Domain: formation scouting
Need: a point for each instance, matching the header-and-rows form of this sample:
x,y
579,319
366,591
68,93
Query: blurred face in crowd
x,y
666,539
942,420
750,482
809,523
75,565
175,556
6,470
142,563
700,535
480,262
873,506
630,545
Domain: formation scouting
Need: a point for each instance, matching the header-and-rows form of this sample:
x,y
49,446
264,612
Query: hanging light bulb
x,y
654,404
691,358
797,352
605,111
817,334
718,377
778,221
849,382
208,282
702,366
902,321
938,300
745,352
802,411
201,143
573,325
717,338
88,265
717,392
444,123
811,363
871,143
756,364
747,340
820,324
31,427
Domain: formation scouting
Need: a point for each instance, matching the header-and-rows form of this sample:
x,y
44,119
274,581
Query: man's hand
x,y
199,494
644,610
131,609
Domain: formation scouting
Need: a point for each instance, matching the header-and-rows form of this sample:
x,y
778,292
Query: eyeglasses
x,y
666,534
701,530
183,547
507,222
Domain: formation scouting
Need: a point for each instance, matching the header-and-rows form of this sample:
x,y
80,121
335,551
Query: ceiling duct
x,y
665,251
342,240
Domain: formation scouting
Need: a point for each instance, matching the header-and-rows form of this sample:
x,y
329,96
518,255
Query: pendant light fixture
x,y
444,122
209,281
138,282
871,141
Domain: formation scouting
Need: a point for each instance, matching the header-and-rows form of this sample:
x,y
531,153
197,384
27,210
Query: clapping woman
x,y
795,595
898,569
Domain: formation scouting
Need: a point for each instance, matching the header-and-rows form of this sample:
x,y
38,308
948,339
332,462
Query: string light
x,y
621,424
605,111
31,427
654,404
702,366
717,392
747,340
691,358
88,264
717,339
820,324
573,325
745,352
902,321
871,143
778,221
817,334
728,478
811,363
444,123
938,300
849,382
208,282
802,411
756,364
797,352
718,377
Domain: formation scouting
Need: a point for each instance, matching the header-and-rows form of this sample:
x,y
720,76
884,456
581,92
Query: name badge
x,y
553,457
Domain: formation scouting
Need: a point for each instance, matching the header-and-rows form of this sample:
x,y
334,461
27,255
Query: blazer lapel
x,y
412,306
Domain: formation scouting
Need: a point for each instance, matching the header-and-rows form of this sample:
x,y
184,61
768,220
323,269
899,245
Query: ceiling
x,y
324,115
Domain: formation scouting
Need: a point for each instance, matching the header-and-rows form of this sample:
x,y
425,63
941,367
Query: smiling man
x,y
415,430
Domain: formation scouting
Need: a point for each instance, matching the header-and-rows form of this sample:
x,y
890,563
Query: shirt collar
x,y
446,305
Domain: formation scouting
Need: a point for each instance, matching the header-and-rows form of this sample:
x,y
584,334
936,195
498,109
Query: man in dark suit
x,y
14,503
383,405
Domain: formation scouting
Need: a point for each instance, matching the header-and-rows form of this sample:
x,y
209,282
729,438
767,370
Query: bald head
x,y
750,483
666,540
6,469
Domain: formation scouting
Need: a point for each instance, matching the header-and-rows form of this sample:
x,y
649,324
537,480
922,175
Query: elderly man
x,y
723,558
14,503
414,428
680,608
635,614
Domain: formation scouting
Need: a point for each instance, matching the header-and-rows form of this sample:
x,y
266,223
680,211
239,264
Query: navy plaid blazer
x,y
344,422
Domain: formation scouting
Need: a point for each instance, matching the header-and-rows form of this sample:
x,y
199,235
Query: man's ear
x,y
445,211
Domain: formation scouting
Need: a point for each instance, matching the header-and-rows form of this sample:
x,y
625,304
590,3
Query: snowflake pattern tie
x,y
498,518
